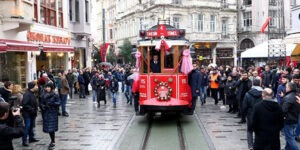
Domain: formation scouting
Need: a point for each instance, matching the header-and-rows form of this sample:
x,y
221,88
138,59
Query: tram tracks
x,y
153,124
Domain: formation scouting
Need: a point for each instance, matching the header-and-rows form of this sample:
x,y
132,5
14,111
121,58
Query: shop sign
x,y
40,37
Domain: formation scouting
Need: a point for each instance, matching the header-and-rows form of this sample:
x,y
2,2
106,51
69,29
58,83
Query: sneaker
x,y
25,144
51,146
65,114
33,140
95,102
242,121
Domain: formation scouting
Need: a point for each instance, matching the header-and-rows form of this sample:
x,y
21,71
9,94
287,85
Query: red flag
x,y
265,25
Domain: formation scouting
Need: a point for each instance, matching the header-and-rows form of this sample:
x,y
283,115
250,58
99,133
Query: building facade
x,y
79,19
210,25
33,33
252,14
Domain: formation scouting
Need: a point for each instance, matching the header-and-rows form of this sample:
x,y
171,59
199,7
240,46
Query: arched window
x,y
246,43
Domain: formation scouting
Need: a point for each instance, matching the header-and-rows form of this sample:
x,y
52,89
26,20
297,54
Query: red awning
x,y
57,48
11,45
3,47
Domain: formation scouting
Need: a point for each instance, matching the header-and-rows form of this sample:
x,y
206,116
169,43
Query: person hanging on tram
x,y
155,65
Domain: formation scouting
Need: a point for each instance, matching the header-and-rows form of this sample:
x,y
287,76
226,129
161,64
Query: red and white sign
x,y
162,32
40,37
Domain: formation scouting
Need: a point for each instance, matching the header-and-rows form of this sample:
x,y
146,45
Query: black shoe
x,y
25,144
65,114
137,113
202,103
115,105
127,101
51,146
297,139
242,121
59,113
130,103
229,111
33,140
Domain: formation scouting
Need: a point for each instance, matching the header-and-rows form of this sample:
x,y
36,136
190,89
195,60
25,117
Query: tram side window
x,y
145,60
168,60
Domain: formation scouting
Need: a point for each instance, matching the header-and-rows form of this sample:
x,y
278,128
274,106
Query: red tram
x,y
167,90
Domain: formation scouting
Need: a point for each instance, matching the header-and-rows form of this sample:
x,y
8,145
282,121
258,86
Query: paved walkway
x,y
222,128
88,127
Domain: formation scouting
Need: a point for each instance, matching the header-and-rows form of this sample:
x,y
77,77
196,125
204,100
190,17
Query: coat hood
x,y
255,91
270,105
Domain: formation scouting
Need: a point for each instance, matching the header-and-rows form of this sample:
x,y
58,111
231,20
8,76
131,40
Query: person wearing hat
x,y
113,85
230,95
29,112
50,104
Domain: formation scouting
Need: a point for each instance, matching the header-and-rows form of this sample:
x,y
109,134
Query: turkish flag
x,y
265,25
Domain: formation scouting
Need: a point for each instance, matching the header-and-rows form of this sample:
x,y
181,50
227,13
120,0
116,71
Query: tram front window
x,y
155,64
168,61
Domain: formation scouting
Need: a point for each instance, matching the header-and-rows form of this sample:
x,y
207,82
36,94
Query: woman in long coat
x,y
230,94
101,96
50,104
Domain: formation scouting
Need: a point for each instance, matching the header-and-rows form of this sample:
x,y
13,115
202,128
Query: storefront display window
x,y
55,60
13,67
79,57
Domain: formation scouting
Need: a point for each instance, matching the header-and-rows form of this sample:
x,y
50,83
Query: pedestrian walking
x,y
267,121
58,84
71,81
281,89
203,86
6,90
194,80
128,83
230,94
75,74
65,90
267,78
101,94
291,110
114,86
17,92
50,104
86,77
252,97
81,82
214,84
29,112
95,84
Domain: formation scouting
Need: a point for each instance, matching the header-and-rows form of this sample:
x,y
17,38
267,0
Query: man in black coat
x,y
9,133
243,85
194,80
86,77
29,113
267,122
155,65
291,110
267,79
252,97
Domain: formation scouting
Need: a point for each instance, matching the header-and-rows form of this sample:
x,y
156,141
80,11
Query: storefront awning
x,y
21,46
261,51
292,39
3,47
295,56
57,48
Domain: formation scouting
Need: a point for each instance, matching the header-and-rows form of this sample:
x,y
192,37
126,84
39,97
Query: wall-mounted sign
x,y
45,38
162,32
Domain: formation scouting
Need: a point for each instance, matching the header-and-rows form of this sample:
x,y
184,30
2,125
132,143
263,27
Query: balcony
x,y
224,36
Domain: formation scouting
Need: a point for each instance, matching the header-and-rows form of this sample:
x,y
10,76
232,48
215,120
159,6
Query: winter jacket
x,y
65,89
81,79
290,108
71,78
251,98
57,82
243,86
113,85
194,80
6,94
267,123
101,84
29,105
204,79
9,133
267,79
229,89
95,82
49,104
281,88
127,82
86,77
75,74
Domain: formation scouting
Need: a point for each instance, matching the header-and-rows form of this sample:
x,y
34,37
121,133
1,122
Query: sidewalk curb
x,y
209,142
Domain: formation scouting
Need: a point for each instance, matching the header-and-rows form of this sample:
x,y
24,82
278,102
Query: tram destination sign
x,y
162,32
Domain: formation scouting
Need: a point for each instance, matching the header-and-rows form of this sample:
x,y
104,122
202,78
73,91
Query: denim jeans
x,y
94,95
250,138
297,132
289,132
128,93
29,125
81,91
64,98
71,89
114,95
203,93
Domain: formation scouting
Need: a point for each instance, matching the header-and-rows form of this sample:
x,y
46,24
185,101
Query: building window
x,y
192,22
247,19
273,15
71,10
77,15
176,2
111,34
224,27
60,14
176,22
48,12
200,22
86,11
247,2
141,23
212,23
35,11
272,2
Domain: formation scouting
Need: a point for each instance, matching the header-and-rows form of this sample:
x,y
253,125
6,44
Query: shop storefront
x,y
225,56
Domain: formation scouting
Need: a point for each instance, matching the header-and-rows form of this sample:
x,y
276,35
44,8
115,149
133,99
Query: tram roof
x,y
154,42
